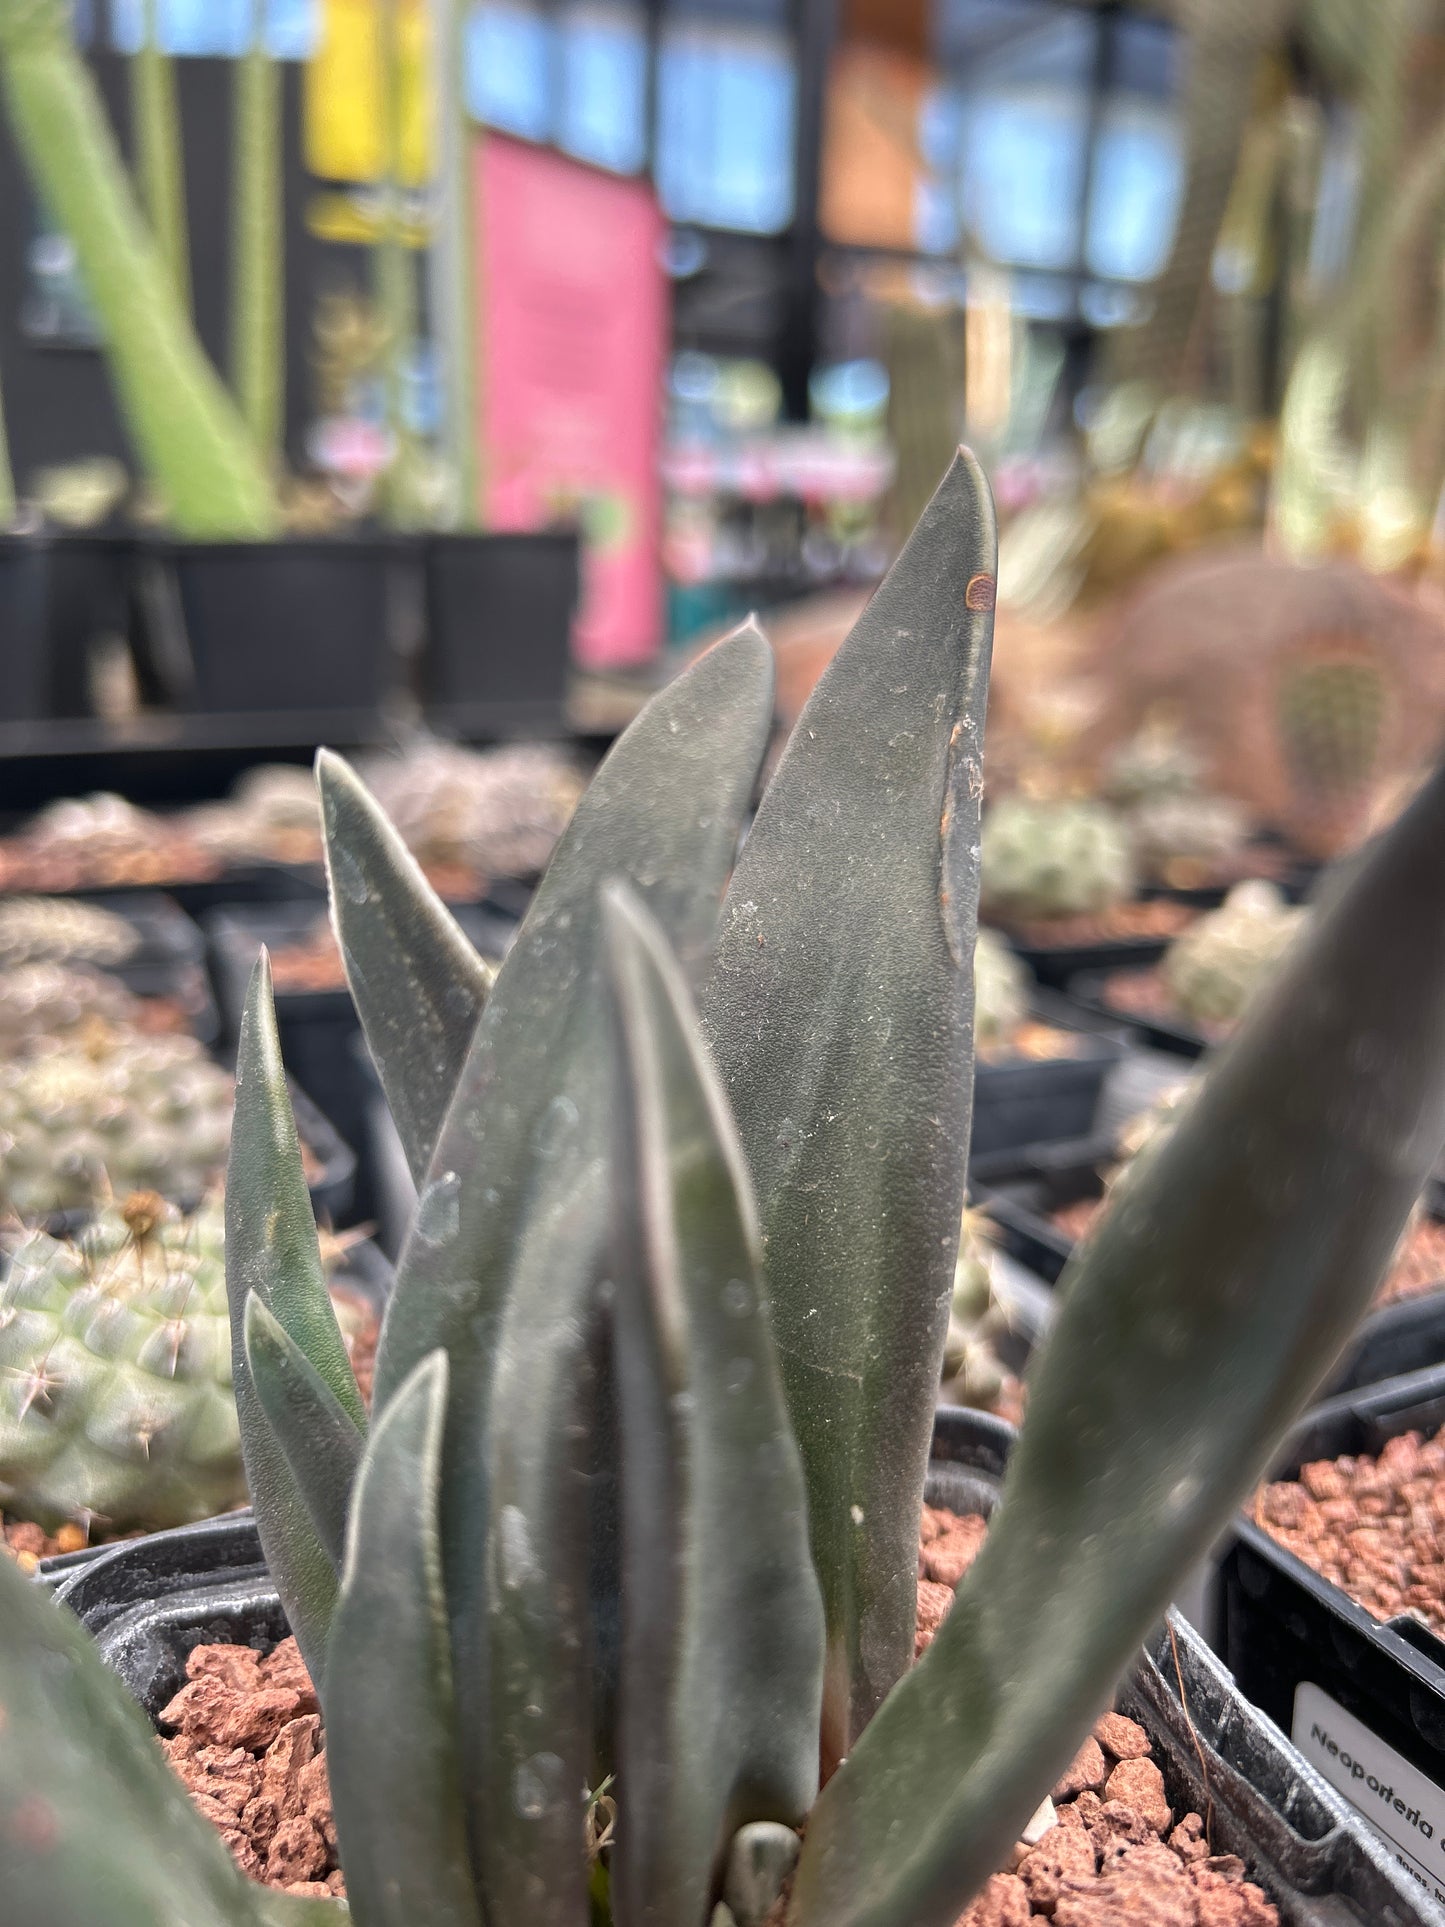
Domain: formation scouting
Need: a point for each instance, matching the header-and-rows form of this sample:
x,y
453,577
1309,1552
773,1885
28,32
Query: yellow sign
x,y
345,97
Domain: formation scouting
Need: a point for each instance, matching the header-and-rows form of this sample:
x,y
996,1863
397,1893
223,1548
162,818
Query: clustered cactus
x,y
1000,992
974,1374
62,930
109,1112
56,1000
642,1491
1053,857
1214,968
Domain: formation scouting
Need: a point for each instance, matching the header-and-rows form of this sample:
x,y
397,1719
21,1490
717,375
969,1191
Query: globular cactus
x,y
1335,706
656,1387
62,930
1053,858
56,1000
1156,762
499,811
1181,838
1000,992
973,1372
118,1112
116,1407
1215,967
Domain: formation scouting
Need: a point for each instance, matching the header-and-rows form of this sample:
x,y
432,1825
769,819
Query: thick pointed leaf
x,y
271,1250
840,1014
94,1826
321,1440
722,1679
391,1742
530,1125
1204,1311
417,983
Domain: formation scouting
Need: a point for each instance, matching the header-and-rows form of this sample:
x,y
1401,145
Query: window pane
x,y
1137,183
507,79
604,86
217,27
725,107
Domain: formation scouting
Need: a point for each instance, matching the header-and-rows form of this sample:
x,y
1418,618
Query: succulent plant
x,y
1175,836
115,1371
1153,763
1000,992
499,811
1214,968
1052,857
973,1372
113,1112
654,1396
61,930
56,1000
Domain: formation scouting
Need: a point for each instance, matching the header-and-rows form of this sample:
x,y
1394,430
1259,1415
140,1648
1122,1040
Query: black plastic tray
x,y
1054,965
170,961
150,1603
1281,1627
1159,1033
1024,1100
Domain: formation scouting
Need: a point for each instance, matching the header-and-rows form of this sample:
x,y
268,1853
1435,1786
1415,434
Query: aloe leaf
x,y
418,985
722,1619
94,1826
271,1250
320,1439
394,1781
1205,1309
530,1123
840,1013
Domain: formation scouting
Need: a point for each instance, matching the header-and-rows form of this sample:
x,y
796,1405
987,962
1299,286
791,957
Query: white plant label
x,y
1399,1803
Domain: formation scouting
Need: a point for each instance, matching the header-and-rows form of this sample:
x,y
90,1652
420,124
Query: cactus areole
x,y
639,1499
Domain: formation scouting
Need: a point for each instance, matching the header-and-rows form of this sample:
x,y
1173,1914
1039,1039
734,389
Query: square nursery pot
x,y
1176,1034
499,612
170,960
1363,1698
212,1544
321,1041
258,882
149,1604
59,595
262,627
1023,1100
1055,964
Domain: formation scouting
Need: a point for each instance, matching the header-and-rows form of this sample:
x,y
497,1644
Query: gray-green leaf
x,y
840,1014
320,1439
1203,1312
722,1674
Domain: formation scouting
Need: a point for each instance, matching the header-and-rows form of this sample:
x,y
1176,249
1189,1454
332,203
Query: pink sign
x,y
571,356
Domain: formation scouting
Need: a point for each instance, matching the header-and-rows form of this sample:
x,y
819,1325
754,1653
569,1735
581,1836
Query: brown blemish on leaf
x,y
980,592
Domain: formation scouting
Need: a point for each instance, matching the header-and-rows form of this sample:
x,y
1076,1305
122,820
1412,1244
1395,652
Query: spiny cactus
x,y
1215,967
114,1112
1177,838
116,1406
1156,762
1000,992
973,1372
55,1000
655,1392
1334,706
62,930
1053,858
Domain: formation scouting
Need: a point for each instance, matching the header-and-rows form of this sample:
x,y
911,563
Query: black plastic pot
x,y
58,595
320,1031
333,1189
257,882
1020,1188
256,627
149,1604
1087,990
1025,1100
1365,1698
499,612
171,958
1054,965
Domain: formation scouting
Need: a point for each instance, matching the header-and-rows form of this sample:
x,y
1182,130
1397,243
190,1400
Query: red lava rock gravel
x,y
246,1741
1154,917
1374,1527
1143,993
1114,1856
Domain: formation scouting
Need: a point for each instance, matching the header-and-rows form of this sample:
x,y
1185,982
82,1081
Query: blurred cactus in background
x,y
258,287
156,132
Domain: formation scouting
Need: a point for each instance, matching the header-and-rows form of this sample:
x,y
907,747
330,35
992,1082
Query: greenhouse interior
x,y
722,963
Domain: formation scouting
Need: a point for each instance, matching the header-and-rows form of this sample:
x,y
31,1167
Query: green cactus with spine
x,y
1215,966
1053,857
973,1372
62,930
771,1186
156,128
116,1406
1000,992
185,427
258,244
1333,711
1178,837
108,1114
